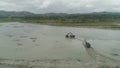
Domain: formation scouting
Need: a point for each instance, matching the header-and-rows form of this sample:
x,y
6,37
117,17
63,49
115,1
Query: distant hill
x,y
29,15
15,14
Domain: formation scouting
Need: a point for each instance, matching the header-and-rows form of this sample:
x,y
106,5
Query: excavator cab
x,y
70,35
86,44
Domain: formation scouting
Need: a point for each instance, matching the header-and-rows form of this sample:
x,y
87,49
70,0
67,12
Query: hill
x,y
15,14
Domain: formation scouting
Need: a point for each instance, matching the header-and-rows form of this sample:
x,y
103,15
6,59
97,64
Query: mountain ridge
x,y
6,14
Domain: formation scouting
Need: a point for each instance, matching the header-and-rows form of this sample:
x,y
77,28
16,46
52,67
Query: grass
x,y
78,23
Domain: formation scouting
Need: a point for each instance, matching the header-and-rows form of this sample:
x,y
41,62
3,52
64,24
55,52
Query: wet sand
x,y
99,61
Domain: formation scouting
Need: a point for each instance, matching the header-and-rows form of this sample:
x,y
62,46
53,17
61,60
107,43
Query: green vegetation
x,y
101,19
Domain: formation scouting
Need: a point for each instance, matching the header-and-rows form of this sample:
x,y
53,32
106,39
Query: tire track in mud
x,y
98,56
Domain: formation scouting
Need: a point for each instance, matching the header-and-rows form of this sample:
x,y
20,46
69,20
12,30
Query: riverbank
x,y
101,25
57,63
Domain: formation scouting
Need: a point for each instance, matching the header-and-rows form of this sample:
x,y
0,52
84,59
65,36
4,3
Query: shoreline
x,y
99,25
86,25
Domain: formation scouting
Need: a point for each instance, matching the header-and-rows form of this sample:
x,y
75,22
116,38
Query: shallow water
x,y
32,41
8,66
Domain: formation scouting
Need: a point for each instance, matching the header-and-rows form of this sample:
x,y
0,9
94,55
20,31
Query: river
x,y
34,41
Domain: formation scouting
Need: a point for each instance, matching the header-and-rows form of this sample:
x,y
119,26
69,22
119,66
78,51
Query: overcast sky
x,y
61,6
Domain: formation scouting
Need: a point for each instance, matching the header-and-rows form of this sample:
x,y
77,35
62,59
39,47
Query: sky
x,y
61,6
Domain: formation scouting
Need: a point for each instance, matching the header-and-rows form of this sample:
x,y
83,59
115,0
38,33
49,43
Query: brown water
x,y
32,41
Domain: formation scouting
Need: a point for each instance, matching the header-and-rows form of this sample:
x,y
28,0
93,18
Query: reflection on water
x,y
31,41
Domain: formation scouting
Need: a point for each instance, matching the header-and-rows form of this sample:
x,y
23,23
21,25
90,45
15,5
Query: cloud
x,y
45,4
60,6
2,3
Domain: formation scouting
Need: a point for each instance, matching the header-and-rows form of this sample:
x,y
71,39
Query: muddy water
x,y
31,41
6,66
